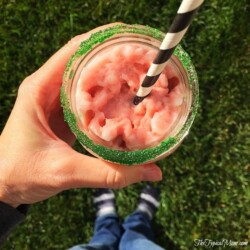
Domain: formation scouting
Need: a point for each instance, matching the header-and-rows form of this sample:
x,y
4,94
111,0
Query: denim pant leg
x,y
138,233
106,236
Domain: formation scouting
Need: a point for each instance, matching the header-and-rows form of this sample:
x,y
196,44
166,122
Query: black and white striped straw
x,y
179,27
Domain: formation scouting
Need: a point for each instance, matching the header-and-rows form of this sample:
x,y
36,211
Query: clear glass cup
x,y
97,44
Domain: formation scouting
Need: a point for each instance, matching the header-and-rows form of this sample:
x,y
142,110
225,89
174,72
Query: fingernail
x,y
152,173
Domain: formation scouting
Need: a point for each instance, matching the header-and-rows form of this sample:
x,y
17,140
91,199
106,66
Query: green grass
x,y
205,192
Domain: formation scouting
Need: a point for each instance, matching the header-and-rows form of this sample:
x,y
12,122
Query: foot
x,y
149,201
104,202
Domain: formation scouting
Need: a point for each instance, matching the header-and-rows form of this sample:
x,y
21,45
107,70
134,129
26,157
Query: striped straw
x,y
179,27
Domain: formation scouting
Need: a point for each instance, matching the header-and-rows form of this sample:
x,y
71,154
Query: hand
x,y
36,159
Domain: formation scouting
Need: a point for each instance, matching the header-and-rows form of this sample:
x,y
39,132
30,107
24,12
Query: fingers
x,y
84,171
52,70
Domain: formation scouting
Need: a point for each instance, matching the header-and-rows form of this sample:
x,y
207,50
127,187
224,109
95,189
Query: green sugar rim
x,y
118,156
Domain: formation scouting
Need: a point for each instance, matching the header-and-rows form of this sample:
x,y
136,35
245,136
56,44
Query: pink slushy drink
x,y
104,99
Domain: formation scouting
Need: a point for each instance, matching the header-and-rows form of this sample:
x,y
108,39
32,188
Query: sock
x,y
149,201
104,202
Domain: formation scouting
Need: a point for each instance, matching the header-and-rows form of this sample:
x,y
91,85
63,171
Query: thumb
x,y
84,171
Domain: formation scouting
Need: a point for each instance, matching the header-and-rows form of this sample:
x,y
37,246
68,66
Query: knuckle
x,y
116,180
56,182
59,182
62,177
25,85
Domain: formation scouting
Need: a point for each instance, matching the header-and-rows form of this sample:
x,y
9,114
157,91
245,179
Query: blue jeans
x,y
135,234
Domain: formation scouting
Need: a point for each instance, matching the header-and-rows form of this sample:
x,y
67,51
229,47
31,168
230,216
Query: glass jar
x,y
100,43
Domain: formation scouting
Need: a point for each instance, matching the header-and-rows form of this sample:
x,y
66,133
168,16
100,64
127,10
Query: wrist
x,y
7,201
5,195
9,204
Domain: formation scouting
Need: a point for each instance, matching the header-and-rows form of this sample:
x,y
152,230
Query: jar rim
x,y
115,155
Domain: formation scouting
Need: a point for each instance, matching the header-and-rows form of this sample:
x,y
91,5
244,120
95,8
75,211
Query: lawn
x,y
205,191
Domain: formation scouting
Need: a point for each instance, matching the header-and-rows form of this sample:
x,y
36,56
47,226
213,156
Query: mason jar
x,y
88,81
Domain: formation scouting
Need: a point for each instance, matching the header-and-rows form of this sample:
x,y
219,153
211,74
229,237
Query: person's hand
x,y
36,158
